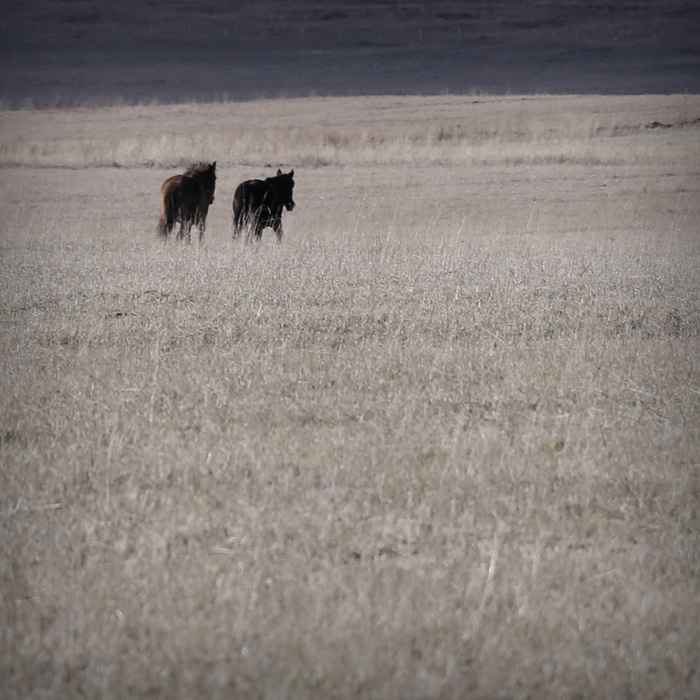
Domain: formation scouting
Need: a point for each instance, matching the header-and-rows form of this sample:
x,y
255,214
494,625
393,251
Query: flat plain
x,y
440,442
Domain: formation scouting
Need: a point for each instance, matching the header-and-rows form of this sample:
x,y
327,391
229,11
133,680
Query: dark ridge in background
x,y
55,52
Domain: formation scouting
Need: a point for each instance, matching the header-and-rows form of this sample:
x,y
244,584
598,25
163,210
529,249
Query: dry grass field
x,y
441,442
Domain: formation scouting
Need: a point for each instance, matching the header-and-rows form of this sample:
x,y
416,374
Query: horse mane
x,y
204,173
197,168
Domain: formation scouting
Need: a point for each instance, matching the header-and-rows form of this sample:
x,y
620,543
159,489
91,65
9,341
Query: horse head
x,y
284,186
205,174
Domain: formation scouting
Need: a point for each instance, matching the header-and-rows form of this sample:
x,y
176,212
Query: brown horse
x,y
186,198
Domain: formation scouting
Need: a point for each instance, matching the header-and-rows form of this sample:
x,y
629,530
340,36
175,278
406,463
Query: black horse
x,y
259,203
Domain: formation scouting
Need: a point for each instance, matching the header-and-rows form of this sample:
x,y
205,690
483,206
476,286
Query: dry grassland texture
x,y
442,442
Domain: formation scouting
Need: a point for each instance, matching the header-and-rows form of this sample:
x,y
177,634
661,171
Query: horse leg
x,y
259,226
185,226
254,227
239,221
201,215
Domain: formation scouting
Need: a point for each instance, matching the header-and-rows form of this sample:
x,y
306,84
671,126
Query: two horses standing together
x,y
256,203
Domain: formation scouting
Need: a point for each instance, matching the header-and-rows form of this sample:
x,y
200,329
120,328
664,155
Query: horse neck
x,y
274,183
206,179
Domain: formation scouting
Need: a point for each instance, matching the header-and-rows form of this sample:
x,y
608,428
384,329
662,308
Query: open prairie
x,y
441,442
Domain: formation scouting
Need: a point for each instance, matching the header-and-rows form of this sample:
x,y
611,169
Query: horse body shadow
x,y
258,204
185,199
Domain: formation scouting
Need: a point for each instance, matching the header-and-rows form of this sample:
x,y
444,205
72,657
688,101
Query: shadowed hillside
x,y
165,51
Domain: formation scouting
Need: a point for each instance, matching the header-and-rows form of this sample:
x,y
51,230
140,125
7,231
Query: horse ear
x,y
213,165
279,172
291,173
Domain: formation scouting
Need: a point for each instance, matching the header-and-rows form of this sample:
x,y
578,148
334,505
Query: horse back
x,y
169,184
250,196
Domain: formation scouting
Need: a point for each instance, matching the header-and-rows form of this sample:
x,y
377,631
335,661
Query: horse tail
x,y
239,214
168,213
201,213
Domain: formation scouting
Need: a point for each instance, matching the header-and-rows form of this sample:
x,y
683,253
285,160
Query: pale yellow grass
x,y
336,131
441,442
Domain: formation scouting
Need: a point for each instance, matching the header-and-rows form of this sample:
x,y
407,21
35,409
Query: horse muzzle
x,y
289,206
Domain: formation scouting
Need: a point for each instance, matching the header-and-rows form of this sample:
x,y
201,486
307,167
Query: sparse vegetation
x,y
446,130
441,442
